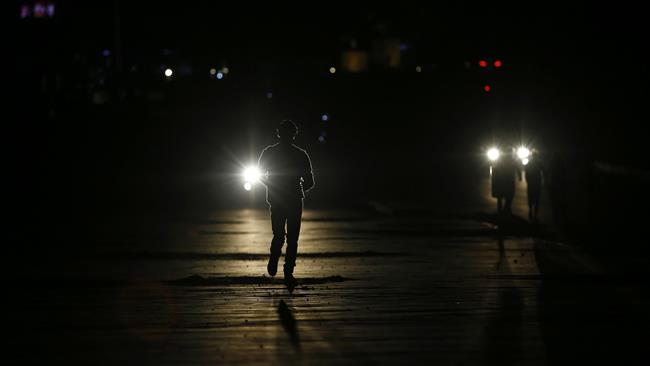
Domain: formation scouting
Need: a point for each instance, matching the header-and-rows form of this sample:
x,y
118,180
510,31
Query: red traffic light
x,y
487,88
498,63
482,63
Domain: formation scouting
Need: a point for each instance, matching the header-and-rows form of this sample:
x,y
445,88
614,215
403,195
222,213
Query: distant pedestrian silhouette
x,y
534,181
287,174
504,172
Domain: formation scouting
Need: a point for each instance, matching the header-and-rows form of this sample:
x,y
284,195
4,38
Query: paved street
x,y
375,289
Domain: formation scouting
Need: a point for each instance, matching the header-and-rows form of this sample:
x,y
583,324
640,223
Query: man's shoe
x,y
290,282
272,267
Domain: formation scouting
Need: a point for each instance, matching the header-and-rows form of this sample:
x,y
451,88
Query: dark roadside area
x,y
597,309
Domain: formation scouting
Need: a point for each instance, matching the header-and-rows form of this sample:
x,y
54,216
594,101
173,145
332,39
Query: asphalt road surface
x,y
391,285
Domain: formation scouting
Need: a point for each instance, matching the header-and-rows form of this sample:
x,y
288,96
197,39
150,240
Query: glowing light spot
x,y
525,161
225,70
332,70
493,154
498,63
219,75
523,152
213,71
482,63
248,186
487,88
25,11
418,69
251,174
39,10
325,117
169,72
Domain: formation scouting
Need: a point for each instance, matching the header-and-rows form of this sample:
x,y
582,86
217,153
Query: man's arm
x,y
307,175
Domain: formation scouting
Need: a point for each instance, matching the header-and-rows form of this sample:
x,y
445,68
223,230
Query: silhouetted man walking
x,y
287,174
504,173
534,179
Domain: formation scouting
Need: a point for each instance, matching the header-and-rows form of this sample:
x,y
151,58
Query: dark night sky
x,y
599,42
592,52
539,32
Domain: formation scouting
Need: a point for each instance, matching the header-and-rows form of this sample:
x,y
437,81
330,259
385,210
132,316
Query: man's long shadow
x,y
503,333
289,324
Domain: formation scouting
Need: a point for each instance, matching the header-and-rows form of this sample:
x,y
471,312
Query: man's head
x,y
287,131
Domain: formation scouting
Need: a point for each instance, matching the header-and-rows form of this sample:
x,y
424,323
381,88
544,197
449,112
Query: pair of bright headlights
x,y
523,153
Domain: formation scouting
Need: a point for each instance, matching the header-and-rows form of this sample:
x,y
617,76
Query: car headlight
x,y
493,154
523,153
251,176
